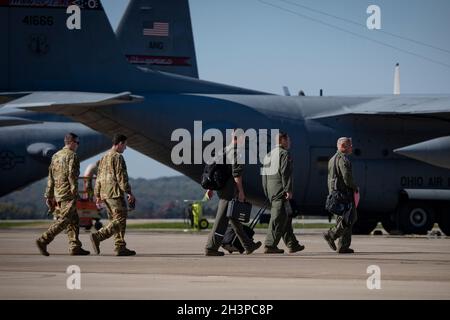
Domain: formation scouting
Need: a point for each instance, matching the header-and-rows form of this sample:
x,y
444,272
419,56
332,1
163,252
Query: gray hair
x,y
343,140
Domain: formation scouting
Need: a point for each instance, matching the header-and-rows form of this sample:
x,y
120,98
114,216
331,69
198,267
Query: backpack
x,y
215,176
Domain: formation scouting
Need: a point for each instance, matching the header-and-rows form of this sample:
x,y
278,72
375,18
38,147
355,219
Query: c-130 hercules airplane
x,y
401,144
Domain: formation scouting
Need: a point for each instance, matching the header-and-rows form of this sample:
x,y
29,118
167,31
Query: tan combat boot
x,y
42,246
95,243
78,252
125,252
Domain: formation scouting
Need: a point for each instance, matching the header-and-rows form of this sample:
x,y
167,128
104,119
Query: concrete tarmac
x,y
172,265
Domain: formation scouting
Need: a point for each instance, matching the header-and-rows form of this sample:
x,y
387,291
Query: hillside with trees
x,y
156,198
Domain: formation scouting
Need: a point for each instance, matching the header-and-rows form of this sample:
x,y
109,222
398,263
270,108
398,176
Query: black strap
x,y
336,171
259,213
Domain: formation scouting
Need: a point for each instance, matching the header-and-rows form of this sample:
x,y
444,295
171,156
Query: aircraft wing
x,y
15,121
6,97
435,107
88,108
75,102
93,110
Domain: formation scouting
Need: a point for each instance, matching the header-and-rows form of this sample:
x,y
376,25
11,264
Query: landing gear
x,y
364,225
444,220
389,222
416,217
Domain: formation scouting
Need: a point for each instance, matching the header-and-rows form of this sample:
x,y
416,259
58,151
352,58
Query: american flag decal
x,y
159,29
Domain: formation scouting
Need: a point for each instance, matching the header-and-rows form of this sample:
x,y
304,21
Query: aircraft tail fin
x,y
47,46
52,45
157,34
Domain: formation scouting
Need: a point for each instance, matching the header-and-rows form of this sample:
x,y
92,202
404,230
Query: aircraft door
x,y
317,189
359,176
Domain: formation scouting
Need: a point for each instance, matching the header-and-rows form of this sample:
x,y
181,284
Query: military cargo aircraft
x,y
100,89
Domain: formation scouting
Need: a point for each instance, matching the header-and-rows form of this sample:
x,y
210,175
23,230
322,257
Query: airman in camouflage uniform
x,y
340,177
61,196
278,189
110,187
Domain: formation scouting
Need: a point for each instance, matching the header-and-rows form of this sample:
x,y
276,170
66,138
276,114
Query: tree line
x,y
156,198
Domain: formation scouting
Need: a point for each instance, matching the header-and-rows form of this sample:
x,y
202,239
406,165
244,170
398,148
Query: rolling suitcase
x,y
231,242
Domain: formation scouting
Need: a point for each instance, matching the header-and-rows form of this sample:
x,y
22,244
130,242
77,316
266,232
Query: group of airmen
x,y
278,189
113,189
111,186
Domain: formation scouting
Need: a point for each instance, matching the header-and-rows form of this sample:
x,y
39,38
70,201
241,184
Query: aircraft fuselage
x,y
380,173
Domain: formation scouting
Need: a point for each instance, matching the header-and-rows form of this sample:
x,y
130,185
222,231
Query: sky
x,y
268,44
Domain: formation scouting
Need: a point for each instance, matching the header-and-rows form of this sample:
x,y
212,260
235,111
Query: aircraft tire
x,y
444,221
416,217
364,225
389,223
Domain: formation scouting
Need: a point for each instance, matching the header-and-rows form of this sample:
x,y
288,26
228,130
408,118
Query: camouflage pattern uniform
x,y
226,194
62,185
111,186
340,177
275,188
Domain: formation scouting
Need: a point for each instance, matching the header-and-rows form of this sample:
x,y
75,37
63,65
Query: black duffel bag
x,y
215,176
337,203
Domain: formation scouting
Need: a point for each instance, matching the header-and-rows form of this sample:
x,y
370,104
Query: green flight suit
x,y
275,186
225,194
340,177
